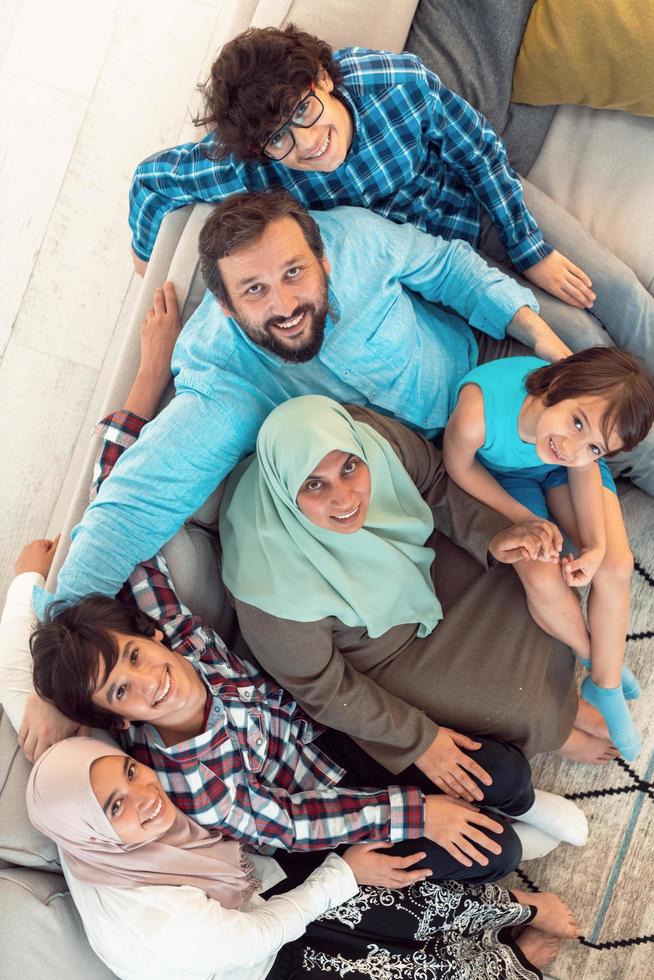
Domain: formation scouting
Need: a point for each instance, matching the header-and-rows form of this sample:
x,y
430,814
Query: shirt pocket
x,y
256,741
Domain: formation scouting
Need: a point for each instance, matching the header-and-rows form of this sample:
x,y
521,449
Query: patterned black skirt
x,y
429,931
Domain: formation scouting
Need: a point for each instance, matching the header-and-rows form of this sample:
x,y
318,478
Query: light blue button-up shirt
x,y
386,346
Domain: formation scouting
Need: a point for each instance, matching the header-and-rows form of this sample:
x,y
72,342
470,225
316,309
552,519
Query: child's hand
x,y
456,826
37,557
558,276
369,867
533,540
580,571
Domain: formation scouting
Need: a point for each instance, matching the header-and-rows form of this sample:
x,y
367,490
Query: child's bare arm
x,y
464,435
587,494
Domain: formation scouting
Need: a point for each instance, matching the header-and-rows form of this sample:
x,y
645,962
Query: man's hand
x,y
159,333
448,767
42,726
535,540
530,328
140,265
454,826
37,557
560,277
385,870
551,348
580,571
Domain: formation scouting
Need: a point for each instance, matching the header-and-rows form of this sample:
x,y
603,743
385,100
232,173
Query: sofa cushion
x,y
588,53
20,842
341,24
598,166
192,557
41,934
472,45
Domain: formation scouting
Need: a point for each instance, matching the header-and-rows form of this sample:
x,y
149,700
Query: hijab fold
x,y
62,805
276,559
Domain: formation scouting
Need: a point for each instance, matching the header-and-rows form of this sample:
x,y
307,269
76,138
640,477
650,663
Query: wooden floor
x,y
87,89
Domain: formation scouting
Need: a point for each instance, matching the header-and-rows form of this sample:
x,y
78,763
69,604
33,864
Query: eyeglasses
x,y
305,114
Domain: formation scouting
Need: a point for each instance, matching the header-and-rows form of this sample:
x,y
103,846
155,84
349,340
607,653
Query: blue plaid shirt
x,y
420,153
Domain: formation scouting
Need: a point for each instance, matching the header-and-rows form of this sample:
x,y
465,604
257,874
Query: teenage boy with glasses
x,y
304,115
390,137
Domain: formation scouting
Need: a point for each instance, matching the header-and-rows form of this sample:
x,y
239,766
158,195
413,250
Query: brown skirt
x,y
487,668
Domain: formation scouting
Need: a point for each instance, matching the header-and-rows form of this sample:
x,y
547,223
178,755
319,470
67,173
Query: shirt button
x,y
259,741
246,695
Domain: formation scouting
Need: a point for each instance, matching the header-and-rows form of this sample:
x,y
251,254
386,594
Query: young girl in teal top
x,y
525,437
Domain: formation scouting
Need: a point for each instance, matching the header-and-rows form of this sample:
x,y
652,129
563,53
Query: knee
x,y
542,582
502,864
508,768
619,280
615,571
501,756
588,332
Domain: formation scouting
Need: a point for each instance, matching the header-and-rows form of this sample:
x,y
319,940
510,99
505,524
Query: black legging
x,y
511,792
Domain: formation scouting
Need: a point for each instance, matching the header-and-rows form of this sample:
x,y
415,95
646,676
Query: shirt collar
x,y
347,100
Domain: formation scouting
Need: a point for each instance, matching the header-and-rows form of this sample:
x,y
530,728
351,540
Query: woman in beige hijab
x,y
161,896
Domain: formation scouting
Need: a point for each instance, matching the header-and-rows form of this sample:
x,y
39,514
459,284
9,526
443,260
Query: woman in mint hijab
x,y
312,460
340,552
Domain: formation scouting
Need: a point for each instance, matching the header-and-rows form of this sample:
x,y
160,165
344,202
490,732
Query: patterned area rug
x,y
608,883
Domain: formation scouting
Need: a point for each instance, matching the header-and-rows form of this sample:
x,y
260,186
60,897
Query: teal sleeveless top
x,y
502,384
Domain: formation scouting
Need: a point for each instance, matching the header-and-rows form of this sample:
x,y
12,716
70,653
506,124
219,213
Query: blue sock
x,y
630,685
611,704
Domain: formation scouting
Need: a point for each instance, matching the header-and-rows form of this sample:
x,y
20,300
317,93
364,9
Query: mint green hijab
x,y
276,559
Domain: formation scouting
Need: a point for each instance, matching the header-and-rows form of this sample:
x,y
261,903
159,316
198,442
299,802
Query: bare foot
x,y
582,747
553,915
590,720
539,948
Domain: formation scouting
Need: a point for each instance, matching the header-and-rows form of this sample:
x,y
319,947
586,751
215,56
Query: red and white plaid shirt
x,y
254,773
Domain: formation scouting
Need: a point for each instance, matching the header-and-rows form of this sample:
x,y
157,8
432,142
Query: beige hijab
x,y
62,805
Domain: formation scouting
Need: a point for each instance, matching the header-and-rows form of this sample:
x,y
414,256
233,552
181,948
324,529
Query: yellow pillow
x,y
588,52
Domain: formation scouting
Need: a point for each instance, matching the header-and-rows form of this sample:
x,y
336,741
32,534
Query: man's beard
x,y
292,352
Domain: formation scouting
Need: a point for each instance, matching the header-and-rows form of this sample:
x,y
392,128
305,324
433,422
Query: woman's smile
x,y
336,494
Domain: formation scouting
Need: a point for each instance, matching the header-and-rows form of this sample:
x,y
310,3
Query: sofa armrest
x,y
41,933
119,372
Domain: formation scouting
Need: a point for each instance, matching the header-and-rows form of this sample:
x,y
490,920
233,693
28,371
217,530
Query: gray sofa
x,y
472,44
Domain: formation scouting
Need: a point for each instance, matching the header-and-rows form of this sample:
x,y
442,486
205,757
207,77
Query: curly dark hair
x,y
255,82
74,651
606,372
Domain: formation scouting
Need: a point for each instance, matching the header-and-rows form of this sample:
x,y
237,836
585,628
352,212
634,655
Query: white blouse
x,y
164,930
171,932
